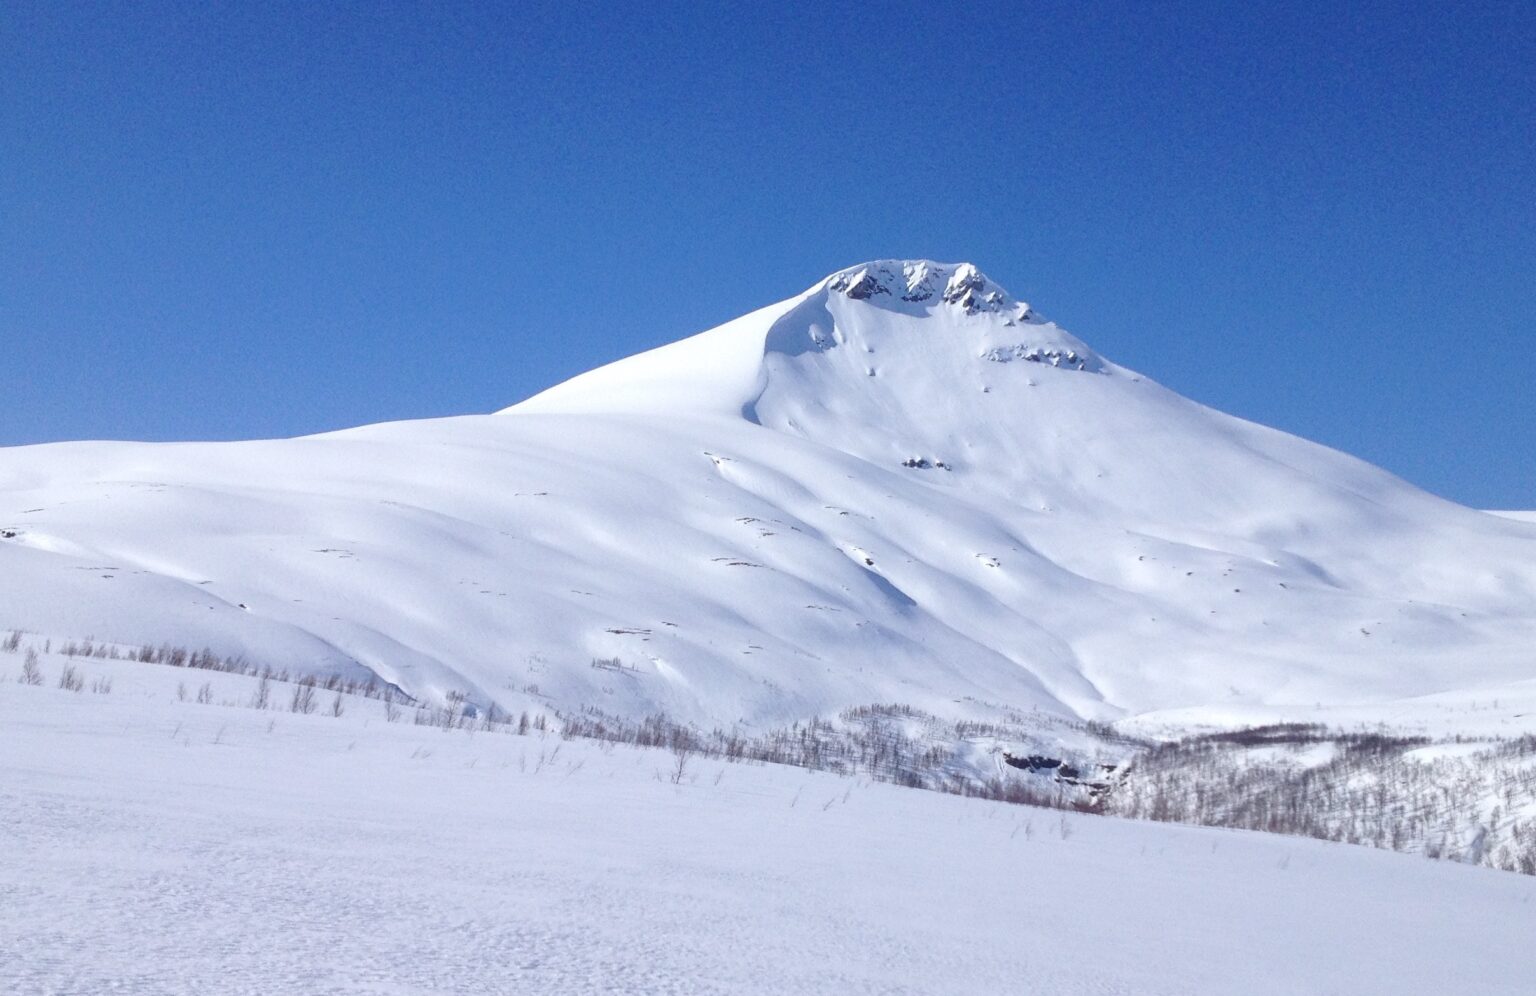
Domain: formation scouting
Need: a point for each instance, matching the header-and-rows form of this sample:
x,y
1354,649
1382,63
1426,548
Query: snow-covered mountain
x,y
902,485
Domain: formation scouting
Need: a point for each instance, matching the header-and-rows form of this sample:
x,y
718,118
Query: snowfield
x,y
161,846
902,485
901,527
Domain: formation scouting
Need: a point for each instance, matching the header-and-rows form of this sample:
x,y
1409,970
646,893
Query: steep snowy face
x,y
935,327
906,363
960,308
915,364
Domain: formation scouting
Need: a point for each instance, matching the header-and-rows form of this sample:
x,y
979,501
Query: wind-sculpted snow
x,y
900,486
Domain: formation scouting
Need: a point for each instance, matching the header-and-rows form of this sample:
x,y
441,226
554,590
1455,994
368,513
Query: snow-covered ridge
x,y
918,281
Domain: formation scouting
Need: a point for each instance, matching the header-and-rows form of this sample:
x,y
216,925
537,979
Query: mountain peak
x,y
890,334
921,282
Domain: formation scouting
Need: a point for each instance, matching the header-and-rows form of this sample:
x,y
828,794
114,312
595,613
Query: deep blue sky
x,y
224,220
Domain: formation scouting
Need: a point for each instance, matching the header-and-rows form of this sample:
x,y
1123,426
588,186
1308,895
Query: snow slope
x,y
167,847
902,485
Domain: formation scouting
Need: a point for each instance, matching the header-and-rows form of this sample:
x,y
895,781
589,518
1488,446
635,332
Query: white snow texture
x,y
154,846
902,485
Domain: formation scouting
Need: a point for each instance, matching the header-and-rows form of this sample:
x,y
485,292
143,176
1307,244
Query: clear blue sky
x,y
224,220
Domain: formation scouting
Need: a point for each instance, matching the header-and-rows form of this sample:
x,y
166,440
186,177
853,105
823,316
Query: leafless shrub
x,y
454,710
11,643
31,672
303,700
680,754
205,693
101,686
338,706
263,694
70,679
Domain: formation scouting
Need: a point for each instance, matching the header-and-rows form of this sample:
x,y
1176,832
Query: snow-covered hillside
x,y
155,845
902,485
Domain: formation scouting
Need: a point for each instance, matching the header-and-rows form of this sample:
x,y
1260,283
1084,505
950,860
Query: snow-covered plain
x,y
902,485
153,845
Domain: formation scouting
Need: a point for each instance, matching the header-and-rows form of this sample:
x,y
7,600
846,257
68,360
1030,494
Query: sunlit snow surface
x,y
901,486
153,846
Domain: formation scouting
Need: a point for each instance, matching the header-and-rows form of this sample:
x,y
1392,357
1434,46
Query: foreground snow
x,y
160,846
